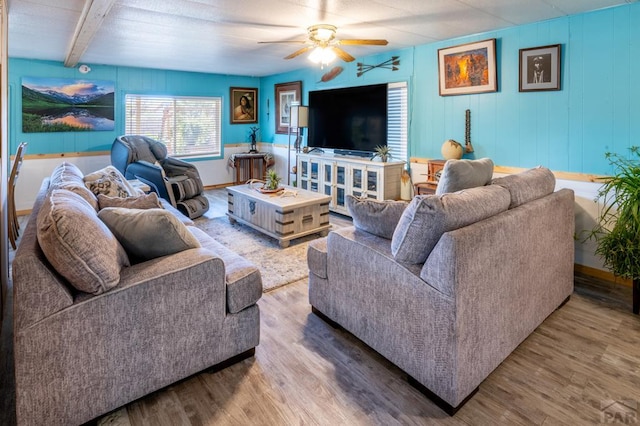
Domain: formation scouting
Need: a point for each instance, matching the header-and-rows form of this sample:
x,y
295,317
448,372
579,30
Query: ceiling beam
x,y
93,15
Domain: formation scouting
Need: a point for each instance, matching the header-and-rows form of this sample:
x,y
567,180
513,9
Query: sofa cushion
x,y
464,174
68,176
429,216
144,201
244,282
77,244
147,234
528,185
376,217
109,181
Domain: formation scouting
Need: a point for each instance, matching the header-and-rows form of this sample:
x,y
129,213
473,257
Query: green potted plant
x,y
617,233
272,180
382,151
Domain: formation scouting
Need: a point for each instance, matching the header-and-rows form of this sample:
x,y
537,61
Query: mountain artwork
x,y
67,105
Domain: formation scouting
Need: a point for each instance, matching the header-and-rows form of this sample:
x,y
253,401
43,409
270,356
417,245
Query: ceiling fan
x,y
321,41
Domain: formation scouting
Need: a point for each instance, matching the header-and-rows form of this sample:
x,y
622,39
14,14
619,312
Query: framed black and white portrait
x,y
540,68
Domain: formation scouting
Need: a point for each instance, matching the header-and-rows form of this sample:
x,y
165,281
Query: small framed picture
x,y
468,68
287,95
540,68
244,105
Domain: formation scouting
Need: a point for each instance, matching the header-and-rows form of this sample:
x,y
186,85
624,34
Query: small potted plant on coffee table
x,y
272,181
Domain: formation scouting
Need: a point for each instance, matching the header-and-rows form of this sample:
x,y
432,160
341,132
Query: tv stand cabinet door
x,y
309,171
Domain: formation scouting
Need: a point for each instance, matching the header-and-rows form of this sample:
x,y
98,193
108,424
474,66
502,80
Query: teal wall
x,y
566,130
127,80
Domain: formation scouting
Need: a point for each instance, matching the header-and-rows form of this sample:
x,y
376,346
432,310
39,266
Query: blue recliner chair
x,y
145,159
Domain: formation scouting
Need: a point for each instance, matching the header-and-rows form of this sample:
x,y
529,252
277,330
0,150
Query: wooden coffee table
x,y
282,217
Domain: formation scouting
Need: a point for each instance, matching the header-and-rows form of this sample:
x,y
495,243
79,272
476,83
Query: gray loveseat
x,y
452,289
138,326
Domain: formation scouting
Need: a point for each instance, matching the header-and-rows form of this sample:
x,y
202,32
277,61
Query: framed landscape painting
x,y
66,105
287,94
540,68
244,105
468,68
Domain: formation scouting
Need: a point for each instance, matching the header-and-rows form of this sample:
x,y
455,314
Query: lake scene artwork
x,y
67,105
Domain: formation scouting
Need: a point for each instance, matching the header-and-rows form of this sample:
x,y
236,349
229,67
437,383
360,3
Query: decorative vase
x,y
451,150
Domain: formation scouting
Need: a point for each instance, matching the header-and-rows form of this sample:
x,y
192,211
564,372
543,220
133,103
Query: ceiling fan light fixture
x,y
322,55
322,33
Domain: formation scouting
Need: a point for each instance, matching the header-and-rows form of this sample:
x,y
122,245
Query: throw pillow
x,y
108,186
147,234
77,244
464,174
66,171
145,201
376,217
429,216
109,181
68,176
528,185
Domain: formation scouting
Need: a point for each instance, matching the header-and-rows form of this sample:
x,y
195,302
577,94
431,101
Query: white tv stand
x,y
340,175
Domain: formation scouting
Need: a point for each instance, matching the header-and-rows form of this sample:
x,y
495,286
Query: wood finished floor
x,y
306,373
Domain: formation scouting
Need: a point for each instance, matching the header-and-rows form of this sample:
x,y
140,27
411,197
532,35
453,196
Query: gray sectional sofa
x,y
97,326
448,286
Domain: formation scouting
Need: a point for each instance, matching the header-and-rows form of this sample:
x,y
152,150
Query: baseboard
x,y
218,185
600,274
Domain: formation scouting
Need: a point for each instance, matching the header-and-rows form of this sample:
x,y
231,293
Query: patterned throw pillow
x,y
109,181
108,186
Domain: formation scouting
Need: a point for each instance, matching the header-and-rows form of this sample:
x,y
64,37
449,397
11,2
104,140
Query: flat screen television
x,y
351,121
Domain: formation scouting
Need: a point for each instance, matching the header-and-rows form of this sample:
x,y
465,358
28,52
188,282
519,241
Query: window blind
x,y
188,126
397,120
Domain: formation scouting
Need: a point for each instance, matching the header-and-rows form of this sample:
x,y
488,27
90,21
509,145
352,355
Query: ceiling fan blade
x,y
363,42
284,41
299,52
342,54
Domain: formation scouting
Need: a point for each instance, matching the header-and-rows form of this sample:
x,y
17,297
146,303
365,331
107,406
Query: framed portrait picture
x,y
287,94
468,68
540,68
244,105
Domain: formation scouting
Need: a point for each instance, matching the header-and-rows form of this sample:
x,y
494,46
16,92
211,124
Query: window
x,y
397,122
188,126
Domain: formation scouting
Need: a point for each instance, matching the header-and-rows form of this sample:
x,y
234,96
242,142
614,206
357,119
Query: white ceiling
x,y
221,36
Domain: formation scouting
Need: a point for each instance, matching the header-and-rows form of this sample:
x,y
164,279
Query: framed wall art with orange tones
x,y
468,68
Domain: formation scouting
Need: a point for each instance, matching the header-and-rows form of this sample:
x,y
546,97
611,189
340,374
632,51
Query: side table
x,y
137,184
434,168
250,166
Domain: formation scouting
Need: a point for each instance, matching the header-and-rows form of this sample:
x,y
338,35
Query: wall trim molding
x,y
66,155
603,275
580,177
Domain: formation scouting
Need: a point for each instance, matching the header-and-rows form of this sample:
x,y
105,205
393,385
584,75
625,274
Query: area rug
x,y
278,266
